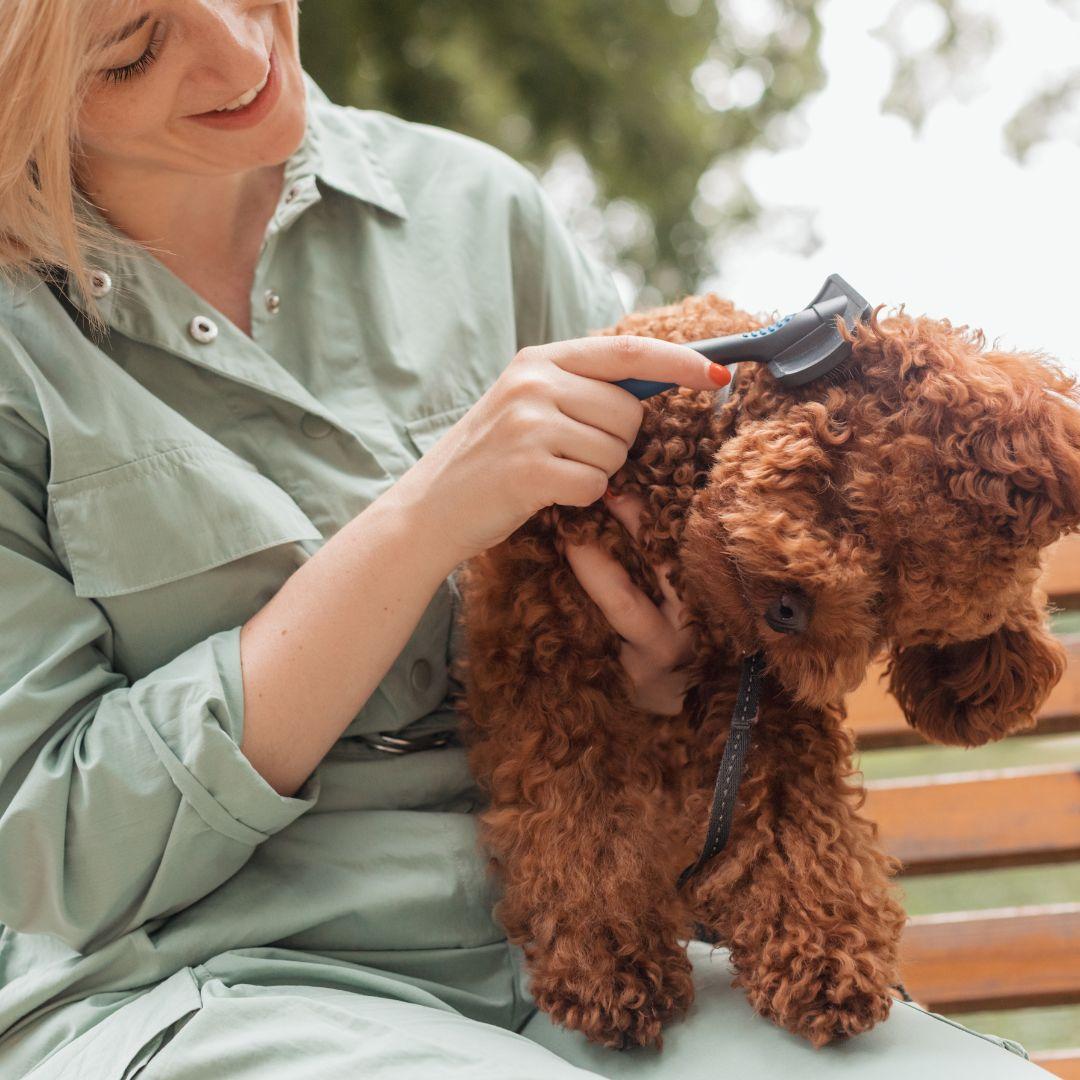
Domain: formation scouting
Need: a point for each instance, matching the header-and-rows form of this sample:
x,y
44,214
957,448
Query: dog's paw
x,y
821,1018
826,1021
619,1002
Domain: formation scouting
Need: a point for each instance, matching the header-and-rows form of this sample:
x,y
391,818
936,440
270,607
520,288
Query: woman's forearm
x,y
315,652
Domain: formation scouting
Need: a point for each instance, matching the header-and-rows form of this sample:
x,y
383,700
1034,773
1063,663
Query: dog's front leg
x,y
803,897
578,821
575,829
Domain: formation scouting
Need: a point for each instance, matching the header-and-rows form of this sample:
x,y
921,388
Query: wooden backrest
x,y
878,721
1061,577
972,821
1007,957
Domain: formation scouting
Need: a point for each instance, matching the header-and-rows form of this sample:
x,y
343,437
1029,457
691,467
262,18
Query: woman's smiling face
x,y
165,67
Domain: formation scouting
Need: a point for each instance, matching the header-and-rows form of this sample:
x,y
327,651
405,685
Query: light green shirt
x,y
154,494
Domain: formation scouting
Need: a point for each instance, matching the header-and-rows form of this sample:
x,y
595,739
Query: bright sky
x,y
945,222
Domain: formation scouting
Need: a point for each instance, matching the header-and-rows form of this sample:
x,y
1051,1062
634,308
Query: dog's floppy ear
x,y
1021,462
976,692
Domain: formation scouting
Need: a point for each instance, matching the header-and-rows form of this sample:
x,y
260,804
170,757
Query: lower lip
x,y
252,113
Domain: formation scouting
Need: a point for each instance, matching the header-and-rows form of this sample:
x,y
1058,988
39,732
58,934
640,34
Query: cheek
x,y
112,117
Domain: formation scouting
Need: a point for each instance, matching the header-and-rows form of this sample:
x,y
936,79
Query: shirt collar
x,y
335,150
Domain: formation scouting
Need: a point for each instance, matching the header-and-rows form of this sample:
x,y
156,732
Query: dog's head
x,y
900,504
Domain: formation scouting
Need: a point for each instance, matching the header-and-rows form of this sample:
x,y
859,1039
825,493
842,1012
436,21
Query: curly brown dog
x,y
898,506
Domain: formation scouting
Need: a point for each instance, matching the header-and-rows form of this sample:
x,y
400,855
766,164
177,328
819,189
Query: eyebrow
x,y
126,31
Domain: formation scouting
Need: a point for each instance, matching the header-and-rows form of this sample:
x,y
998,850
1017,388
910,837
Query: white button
x,y
273,301
100,283
315,427
292,193
202,329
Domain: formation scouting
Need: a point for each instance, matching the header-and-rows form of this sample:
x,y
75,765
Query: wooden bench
x,y
959,962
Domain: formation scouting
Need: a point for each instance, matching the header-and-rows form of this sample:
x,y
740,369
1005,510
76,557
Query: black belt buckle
x,y
393,742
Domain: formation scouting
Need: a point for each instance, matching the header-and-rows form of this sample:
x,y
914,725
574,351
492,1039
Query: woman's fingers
x,y
656,691
655,643
613,357
568,439
630,612
598,404
627,509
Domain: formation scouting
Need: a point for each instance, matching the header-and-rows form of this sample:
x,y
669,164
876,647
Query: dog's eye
x,y
789,613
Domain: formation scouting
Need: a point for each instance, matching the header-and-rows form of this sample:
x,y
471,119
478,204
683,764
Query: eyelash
x,y
137,67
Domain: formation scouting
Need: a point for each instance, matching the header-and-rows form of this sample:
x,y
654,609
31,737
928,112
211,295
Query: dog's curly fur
x,y
908,496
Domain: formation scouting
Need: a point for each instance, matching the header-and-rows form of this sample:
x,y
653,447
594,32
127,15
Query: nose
x,y
235,39
790,612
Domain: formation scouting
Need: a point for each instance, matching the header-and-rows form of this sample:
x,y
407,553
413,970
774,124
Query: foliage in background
x,y
647,106
942,57
937,47
650,93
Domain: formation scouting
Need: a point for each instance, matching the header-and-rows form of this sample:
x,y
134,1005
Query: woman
x,y
235,832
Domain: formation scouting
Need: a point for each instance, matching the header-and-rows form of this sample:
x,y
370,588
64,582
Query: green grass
x,y
976,889
928,760
1066,622
1055,1028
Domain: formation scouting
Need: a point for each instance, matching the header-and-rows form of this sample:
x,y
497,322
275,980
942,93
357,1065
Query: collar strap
x,y
731,764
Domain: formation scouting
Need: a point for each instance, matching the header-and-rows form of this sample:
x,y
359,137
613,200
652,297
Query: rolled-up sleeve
x,y
561,291
120,802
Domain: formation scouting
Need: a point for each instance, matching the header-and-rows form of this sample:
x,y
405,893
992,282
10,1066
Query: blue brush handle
x,y
761,345
643,388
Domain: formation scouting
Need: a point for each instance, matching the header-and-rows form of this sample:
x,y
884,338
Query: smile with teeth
x,y
246,98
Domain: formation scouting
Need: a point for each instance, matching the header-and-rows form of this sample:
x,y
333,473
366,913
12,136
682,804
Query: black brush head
x,y
822,349
798,348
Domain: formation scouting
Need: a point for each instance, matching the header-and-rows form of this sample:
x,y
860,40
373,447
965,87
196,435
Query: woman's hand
x,y
550,430
654,638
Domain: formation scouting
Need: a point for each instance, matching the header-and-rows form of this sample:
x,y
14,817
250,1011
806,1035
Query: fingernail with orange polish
x,y
719,374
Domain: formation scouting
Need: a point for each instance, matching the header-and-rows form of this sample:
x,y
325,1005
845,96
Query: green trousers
x,y
266,1030
358,941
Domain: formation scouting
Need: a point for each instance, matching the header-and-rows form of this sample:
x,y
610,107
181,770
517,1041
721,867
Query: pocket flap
x,y
160,518
426,431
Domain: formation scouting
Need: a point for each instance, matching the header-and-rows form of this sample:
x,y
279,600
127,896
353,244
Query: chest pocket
x,y
179,512
176,546
425,431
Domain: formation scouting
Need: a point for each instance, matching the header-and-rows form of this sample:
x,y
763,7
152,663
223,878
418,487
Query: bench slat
x,y
1064,1064
877,721
1002,959
1007,817
1061,571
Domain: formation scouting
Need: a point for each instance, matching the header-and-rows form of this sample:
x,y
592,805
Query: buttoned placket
x,y
133,287
300,192
209,340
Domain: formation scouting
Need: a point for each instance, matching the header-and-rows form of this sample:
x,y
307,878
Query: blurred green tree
x,y
648,106
648,92
951,43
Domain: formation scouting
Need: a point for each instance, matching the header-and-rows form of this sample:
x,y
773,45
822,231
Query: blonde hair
x,y
47,60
